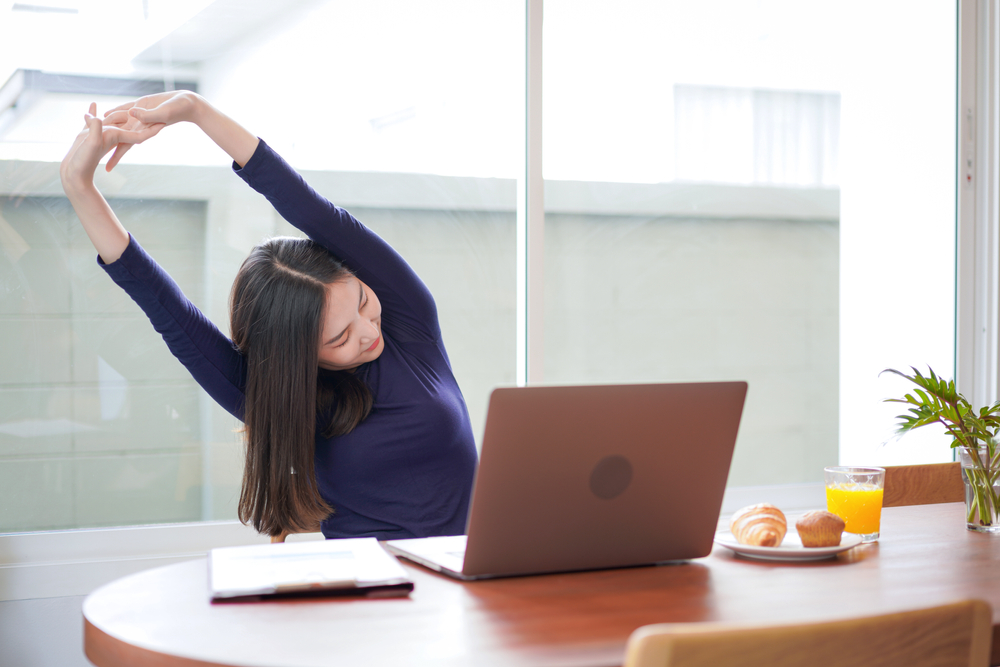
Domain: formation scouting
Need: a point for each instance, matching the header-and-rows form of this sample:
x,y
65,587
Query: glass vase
x,y
982,489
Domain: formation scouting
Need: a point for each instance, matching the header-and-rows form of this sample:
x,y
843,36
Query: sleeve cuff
x,y
247,171
129,251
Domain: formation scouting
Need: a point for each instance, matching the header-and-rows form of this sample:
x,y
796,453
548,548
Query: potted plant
x,y
974,434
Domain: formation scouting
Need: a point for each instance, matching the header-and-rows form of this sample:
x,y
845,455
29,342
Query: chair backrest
x,y
923,484
954,635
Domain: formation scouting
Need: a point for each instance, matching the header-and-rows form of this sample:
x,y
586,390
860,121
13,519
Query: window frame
x,y
74,562
977,317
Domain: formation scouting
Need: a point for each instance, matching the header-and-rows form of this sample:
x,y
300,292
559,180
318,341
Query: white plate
x,y
791,548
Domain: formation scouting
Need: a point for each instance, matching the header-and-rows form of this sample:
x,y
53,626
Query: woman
x,y
336,366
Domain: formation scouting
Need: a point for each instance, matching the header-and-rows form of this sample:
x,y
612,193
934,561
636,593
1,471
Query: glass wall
x,y
733,191
99,424
742,191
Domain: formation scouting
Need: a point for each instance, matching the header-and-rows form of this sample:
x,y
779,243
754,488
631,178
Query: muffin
x,y
819,529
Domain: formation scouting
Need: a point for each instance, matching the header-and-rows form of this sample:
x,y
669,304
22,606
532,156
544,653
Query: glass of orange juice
x,y
855,495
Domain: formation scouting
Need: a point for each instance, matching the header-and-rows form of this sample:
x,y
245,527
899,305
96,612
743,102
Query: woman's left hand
x,y
152,112
132,130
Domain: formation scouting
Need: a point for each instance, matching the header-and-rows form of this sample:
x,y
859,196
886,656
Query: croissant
x,y
819,529
761,525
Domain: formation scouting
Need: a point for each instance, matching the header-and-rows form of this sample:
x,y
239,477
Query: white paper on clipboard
x,y
274,569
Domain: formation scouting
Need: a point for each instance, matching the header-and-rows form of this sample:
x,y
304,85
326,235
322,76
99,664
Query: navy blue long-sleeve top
x,y
407,469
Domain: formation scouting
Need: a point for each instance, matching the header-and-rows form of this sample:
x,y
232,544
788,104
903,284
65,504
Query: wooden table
x,y
162,617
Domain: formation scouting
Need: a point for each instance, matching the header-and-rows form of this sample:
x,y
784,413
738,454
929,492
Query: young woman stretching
x,y
353,418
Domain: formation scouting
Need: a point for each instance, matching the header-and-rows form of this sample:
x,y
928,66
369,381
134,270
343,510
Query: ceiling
x,y
213,30
138,38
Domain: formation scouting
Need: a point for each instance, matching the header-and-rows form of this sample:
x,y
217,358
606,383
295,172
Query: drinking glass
x,y
855,495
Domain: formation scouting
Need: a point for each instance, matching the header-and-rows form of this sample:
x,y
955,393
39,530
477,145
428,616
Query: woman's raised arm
x,y
375,262
178,106
77,175
206,352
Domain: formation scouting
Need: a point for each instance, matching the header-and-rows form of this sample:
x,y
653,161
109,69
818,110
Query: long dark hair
x,y
276,311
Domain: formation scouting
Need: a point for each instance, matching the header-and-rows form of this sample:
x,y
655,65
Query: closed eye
x,y
362,302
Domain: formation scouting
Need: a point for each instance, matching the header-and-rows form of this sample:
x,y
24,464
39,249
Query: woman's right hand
x,y
77,174
94,142
159,109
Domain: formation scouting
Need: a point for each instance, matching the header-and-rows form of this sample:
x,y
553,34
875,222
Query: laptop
x,y
592,477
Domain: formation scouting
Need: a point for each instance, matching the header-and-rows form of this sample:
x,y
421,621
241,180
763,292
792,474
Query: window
x,y
731,192
99,424
740,135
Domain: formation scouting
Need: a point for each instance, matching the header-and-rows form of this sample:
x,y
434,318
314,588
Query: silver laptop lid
x,y
588,477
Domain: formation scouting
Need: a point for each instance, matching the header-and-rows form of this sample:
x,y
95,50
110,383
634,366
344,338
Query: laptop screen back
x,y
588,477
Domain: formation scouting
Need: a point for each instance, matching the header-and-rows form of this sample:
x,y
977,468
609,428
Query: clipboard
x,y
357,567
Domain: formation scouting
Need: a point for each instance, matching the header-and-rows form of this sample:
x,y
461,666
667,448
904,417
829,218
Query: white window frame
x,y
978,229
62,563
531,213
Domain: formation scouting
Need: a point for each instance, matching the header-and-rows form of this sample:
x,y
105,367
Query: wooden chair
x,y
954,635
923,484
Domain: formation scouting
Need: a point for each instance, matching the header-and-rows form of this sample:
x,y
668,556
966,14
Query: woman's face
x,y
352,326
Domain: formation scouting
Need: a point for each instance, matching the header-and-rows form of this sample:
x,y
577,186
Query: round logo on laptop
x,y
610,477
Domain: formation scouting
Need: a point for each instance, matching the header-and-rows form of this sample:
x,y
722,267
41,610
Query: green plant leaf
x,y
936,400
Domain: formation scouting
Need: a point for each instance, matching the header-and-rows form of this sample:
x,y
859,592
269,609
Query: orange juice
x,y
859,505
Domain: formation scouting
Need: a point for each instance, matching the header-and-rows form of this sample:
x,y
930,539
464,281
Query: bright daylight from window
x,y
733,191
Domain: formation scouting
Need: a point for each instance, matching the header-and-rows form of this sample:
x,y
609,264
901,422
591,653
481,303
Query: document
x,y
356,566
